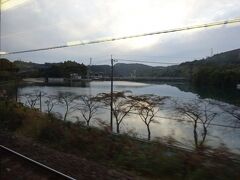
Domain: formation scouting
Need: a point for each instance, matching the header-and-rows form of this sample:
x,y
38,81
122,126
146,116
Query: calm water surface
x,y
181,131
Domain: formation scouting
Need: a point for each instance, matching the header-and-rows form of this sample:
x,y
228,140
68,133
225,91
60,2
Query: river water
x,y
167,125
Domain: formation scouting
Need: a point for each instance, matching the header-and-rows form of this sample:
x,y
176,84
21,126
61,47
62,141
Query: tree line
x,y
64,69
198,113
7,70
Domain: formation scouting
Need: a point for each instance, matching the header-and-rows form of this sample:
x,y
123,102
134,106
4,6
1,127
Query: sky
x,y
29,24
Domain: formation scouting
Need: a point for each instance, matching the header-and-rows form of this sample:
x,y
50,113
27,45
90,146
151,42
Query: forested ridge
x,y
220,70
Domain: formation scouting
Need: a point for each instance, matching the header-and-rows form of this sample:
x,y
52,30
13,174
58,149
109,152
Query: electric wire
x,y
81,43
159,56
184,120
144,61
171,118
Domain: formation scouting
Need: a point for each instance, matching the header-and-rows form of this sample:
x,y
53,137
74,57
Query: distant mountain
x,y
125,70
222,70
225,60
7,70
100,69
122,69
62,69
219,70
26,66
187,69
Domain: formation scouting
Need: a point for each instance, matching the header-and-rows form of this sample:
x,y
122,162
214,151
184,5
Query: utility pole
x,y
111,113
16,89
89,73
90,61
89,69
40,99
211,52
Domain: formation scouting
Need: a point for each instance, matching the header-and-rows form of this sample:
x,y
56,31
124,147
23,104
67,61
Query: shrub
x,y
11,116
51,133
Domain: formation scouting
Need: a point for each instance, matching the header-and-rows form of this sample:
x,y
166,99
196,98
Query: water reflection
x,y
231,96
181,131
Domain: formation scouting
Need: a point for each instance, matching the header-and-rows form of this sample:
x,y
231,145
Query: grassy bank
x,y
152,160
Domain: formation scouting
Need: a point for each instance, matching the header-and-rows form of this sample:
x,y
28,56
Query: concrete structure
x,y
55,80
75,76
238,86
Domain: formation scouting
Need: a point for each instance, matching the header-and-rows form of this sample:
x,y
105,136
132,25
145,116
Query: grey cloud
x,y
42,23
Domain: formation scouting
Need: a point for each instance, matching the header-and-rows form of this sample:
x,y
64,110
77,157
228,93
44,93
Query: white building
x,y
75,76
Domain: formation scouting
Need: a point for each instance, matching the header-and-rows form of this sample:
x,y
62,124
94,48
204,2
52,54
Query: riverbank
x,y
121,153
85,82
73,165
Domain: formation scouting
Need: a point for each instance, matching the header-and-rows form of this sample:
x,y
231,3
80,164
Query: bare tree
x,y
233,111
147,107
201,114
122,105
88,107
32,99
50,102
67,99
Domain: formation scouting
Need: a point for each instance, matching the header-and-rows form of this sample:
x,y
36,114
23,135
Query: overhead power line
x,y
159,56
142,61
81,43
184,120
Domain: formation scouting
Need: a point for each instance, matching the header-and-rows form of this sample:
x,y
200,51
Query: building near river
x,y
55,80
75,76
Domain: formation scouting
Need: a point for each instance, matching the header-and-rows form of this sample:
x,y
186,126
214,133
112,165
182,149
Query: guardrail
x,y
35,163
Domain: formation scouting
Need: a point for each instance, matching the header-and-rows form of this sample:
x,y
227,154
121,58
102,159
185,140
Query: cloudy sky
x,y
29,24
